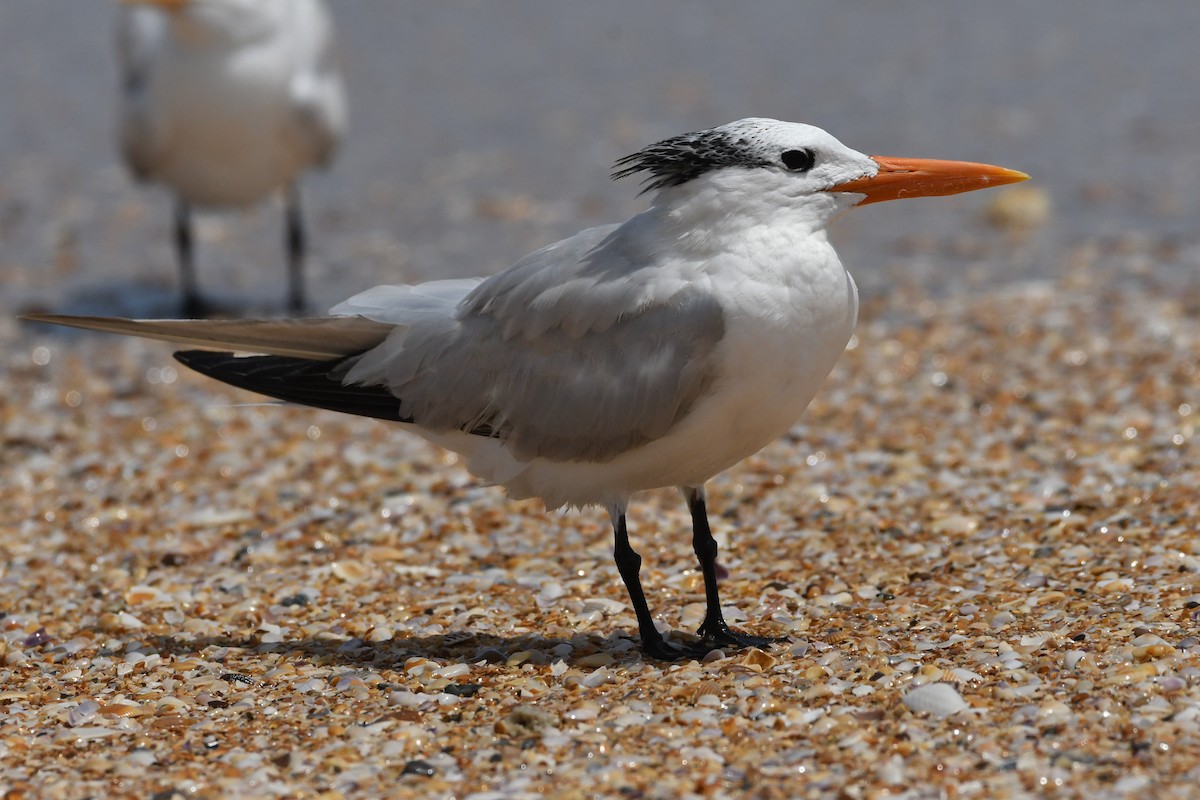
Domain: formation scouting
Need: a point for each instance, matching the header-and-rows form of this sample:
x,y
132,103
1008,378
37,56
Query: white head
x,y
791,164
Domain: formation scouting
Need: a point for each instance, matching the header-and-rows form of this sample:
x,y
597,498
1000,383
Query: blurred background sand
x,y
481,131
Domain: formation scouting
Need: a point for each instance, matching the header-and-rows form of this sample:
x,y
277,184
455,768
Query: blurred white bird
x,y
226,102
657,352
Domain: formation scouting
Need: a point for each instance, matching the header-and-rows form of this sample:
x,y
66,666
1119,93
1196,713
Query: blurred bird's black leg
x,y
296,244
629,564
193,306
715,632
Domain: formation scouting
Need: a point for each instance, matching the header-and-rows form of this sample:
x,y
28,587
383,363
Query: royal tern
x,y
226,102
657,352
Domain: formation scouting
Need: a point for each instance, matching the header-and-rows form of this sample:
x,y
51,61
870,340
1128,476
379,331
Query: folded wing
x,y
578,353
555,396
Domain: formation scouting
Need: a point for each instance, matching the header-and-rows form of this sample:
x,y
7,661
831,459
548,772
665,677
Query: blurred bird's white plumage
x,y
226,102
657,352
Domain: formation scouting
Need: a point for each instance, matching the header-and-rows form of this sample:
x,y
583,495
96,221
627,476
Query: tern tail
x,y
315,338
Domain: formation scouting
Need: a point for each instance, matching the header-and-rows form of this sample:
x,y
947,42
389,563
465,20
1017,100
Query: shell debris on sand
x,y
996,492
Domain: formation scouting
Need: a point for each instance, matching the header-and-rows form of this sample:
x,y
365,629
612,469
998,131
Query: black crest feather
x,y
677,160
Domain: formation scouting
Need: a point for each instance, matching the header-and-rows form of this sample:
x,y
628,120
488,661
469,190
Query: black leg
x,y
193,306
295,242
714,630
629,565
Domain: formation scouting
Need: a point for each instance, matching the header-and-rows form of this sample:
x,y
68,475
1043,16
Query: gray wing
x,y
557,389
317,92
141,34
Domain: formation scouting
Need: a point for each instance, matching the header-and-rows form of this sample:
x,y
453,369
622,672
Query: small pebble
x,y
423,768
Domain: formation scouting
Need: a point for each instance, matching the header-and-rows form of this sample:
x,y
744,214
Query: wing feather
x,y
315,338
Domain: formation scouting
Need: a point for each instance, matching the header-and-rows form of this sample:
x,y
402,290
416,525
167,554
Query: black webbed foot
x,y
717,634
663,650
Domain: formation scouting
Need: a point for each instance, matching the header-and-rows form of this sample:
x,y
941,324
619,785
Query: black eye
x,y
798,160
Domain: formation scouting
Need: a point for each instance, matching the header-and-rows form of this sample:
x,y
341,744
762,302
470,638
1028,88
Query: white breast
x,y
787,322
229,133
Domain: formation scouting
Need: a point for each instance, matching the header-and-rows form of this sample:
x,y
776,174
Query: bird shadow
x,y
455,647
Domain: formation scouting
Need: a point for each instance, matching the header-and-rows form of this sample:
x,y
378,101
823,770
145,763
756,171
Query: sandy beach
x,y
994,493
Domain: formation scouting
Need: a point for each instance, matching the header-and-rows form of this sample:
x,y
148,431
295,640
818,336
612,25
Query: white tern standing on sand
x,y
225,102
657,352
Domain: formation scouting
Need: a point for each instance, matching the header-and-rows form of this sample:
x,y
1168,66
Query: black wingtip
x,y
197,359
295,380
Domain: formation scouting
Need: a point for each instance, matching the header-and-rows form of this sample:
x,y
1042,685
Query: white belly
x,y
228,134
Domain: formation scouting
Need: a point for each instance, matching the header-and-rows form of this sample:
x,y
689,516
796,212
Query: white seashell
x,y
351,571
603,604
380,633
128,621
1054,712
938,699
584,712
408,699
598,677
453,671
216,517
85,734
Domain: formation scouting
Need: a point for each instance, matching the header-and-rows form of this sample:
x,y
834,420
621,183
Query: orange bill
x,y
900,178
